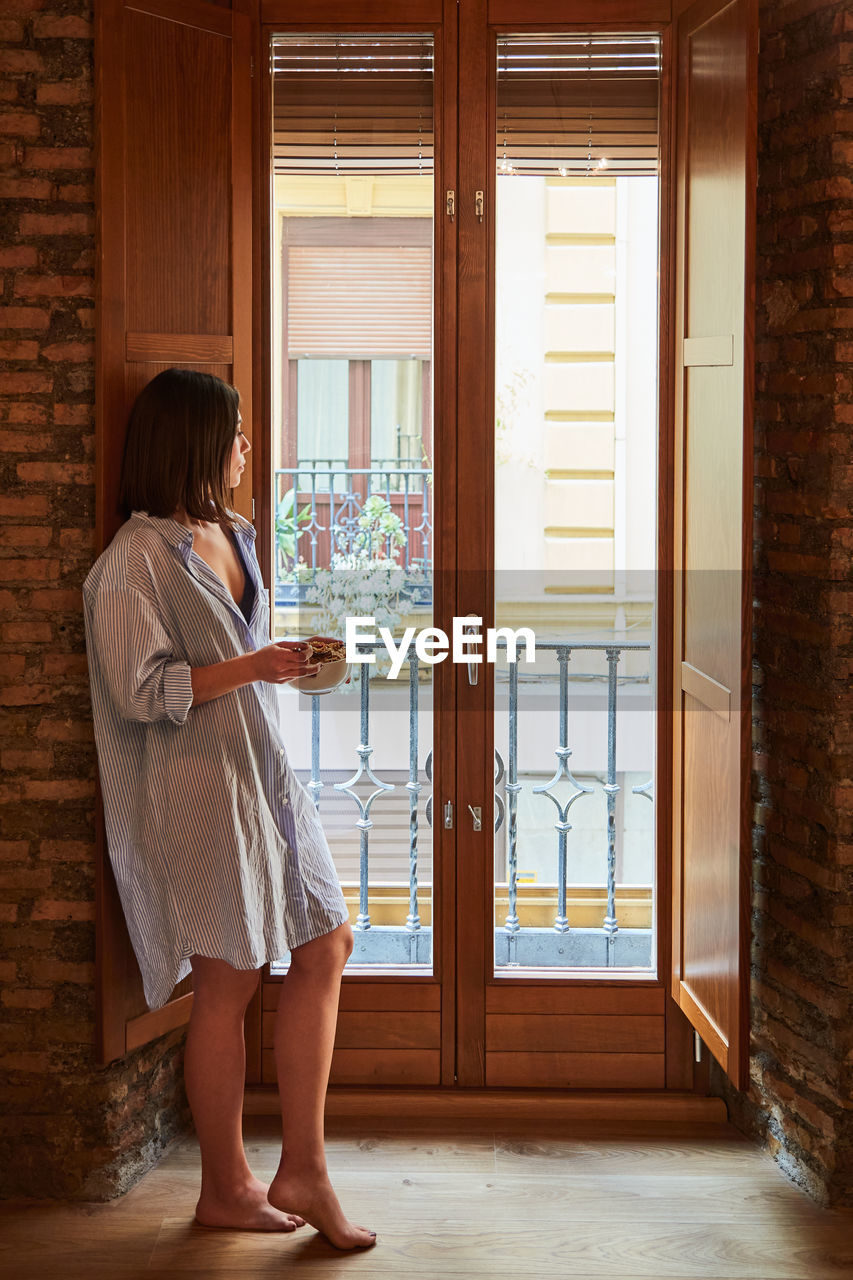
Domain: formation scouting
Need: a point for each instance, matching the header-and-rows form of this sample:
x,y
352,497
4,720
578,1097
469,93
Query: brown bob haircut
x,y
178,446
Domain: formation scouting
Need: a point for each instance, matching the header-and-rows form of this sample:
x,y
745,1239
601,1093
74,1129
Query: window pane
x,y
396,415
575,464
322,399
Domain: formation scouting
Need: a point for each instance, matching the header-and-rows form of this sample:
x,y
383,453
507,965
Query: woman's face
x,y
238,455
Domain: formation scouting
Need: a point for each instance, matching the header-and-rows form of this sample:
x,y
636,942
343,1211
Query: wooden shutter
x,y
715,175
174,283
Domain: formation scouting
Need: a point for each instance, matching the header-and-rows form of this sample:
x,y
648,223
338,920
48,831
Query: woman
x,y
219,857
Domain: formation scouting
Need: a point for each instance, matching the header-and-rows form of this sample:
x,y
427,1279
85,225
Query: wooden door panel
x,y
371,1067
618,1070
568,1033
178,151
715,164
574,999
174,288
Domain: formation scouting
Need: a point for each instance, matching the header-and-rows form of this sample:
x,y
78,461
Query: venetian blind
x,y
578,106
353,104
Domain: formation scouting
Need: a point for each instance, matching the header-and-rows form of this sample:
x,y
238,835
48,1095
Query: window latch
x,y
448,815
479,205
450,204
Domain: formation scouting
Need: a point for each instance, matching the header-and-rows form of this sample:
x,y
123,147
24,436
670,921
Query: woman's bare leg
x,y
304,1038
214,1073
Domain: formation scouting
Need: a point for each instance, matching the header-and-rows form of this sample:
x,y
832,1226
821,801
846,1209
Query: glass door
x,y
559,223
357,281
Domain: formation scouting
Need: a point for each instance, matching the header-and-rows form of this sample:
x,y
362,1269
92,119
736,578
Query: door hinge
x,y
697,1046
450,204
253,511
252,67
448,816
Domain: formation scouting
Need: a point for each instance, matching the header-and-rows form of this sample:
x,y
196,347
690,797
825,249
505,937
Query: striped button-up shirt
x,y
216,847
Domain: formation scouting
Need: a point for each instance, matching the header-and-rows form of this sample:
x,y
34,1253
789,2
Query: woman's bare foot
x,y
311,1195
245,1210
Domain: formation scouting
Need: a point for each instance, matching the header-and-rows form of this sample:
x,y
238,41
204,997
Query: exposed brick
x,y
67,851
64,93
49,26
75,352
24,507
55,224
61,971
30,286
29,570
27,383
17,350
25,188
15,61
72,159
24,318
27,998
26,759
23,442
21,255
55,472
20,124
51,909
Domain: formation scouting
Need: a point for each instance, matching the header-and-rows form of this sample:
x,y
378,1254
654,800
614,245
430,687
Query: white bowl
x,y
329,677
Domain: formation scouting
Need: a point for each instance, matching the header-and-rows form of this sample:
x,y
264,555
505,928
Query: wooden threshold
x,y
659,1106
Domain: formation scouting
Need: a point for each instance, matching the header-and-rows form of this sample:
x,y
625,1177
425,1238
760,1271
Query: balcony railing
x,y
561,944
318,506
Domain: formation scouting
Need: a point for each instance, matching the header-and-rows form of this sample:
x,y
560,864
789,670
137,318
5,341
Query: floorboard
x,y
464,1202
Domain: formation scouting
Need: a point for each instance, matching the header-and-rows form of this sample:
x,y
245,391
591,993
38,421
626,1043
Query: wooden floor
x,y
451,1202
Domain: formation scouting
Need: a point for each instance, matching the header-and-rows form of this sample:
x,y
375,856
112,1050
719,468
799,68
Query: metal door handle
x,y
477,815
473,667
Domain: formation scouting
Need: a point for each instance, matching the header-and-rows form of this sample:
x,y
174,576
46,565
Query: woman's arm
x,y
274,664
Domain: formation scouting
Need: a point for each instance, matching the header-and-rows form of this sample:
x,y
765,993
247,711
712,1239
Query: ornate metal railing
x,y
364,777
318,509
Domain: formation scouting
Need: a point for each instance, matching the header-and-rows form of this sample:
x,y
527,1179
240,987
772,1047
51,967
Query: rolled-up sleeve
x,y
136,656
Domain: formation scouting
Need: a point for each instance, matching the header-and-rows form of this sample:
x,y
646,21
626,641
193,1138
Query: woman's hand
x,y
285,660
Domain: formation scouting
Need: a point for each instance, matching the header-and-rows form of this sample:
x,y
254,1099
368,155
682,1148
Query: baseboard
x,y
499,1105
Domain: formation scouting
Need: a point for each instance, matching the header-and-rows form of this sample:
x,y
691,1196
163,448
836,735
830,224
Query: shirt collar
x,y
180,537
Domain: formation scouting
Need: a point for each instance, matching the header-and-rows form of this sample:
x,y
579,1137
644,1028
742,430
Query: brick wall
x,y
799,1101
69,1128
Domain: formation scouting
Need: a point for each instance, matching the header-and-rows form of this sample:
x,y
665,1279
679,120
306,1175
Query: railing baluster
x,y
315,786
408,547
563,752
513,786
364,822
413,786
561,924
611,926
